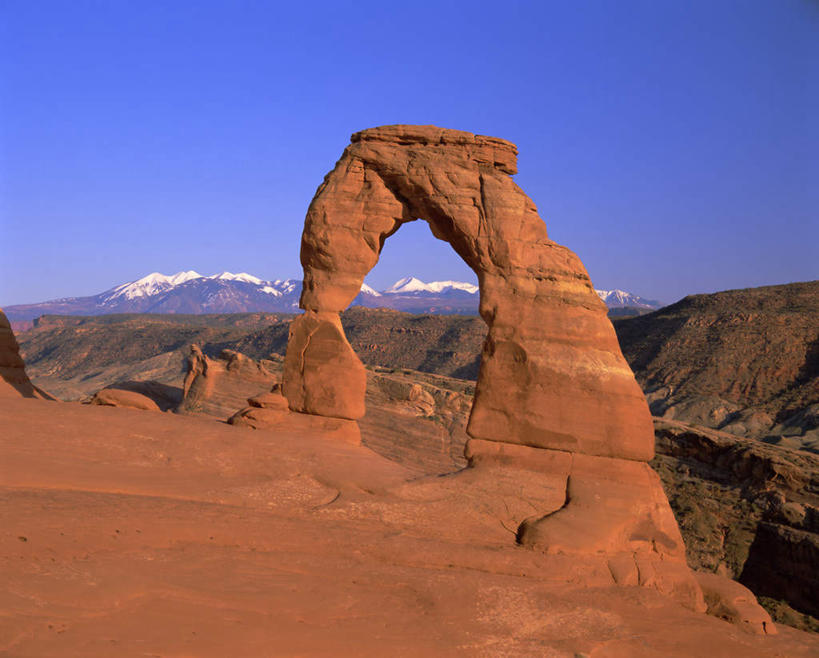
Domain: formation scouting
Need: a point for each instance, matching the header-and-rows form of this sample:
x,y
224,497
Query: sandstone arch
x,y
552,374
554,394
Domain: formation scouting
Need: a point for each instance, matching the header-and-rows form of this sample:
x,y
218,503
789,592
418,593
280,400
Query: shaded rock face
x,y
748,510
552,374
14,381
783,562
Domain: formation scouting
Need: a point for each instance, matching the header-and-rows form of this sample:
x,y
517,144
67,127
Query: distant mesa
x,y
227,292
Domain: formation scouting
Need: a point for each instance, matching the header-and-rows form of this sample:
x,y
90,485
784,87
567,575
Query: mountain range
x,y
192,293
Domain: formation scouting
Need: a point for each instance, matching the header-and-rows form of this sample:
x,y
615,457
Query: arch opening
x,y
420,368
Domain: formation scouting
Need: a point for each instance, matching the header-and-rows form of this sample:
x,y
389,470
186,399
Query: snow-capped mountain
x,y
366,290
226,292
410,284
157,283
622,299
183,292
151,285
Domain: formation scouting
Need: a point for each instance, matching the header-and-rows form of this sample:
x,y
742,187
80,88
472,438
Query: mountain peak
x,y
407,284
152,284
241,276
410,284
619,298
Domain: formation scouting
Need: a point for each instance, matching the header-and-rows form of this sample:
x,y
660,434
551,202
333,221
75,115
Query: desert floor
x,y
135,533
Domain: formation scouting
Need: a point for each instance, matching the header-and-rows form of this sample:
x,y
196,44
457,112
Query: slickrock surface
x,y
724,489
416,419
132,533
134,394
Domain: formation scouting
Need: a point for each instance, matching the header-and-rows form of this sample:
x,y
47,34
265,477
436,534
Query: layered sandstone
x,y
220,386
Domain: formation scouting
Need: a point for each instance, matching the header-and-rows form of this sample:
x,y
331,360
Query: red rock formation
x,y
221,386
554,394
552,374
729,600
323,375
114,397
14,381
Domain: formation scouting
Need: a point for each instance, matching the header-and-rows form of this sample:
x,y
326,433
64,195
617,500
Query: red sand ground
x,y
136,533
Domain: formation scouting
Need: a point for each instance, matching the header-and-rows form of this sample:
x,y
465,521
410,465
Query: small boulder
x,y
729,600
292,422
113,397
269,400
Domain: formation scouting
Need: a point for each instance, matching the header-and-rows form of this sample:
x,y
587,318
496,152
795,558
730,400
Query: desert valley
x,y
390,472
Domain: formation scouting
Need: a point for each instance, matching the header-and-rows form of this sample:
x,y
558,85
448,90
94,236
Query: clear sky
x,y
674,145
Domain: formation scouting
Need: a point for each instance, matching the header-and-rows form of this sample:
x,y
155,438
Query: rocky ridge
x,y
742,361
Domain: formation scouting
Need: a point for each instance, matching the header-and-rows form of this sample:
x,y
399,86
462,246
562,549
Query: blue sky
x,y
672,145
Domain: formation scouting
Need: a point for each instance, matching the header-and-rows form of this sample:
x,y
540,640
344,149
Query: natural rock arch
x,y
554,398
552,374
554,394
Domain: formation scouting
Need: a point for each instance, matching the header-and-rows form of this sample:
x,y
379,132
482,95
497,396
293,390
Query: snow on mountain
x,y
407,284
287,286
152,284
410,284
156,283
620,298
242,276
226,292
